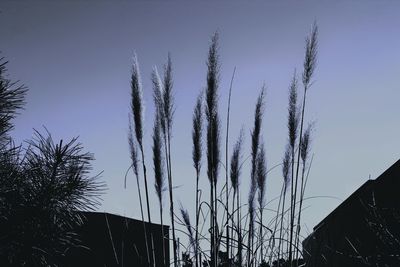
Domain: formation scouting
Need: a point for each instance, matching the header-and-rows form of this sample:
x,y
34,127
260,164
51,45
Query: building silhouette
x,y
112,240
364,230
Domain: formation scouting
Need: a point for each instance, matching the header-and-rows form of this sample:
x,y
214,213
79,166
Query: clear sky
x,y
75,57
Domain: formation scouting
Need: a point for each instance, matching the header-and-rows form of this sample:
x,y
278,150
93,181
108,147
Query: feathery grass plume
x,y
197,133
186,220
167,110
235,171
261,175
157,159
234,176
159,174
261,180
286,167
213,152
168,98
211,109
12,99
309,65
158,129
305,144
132,149
310,60
255,134
137,113
158,99
215,141
293,118
136,101
235,162
293,121
255,141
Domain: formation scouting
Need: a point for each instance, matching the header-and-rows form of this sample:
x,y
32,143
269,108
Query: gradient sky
x,y
75,57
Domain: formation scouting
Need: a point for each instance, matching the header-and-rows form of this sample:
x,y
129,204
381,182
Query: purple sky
x,y
75,58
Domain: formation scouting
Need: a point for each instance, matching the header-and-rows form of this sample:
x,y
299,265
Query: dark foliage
x,y
42,190
12,99
41,193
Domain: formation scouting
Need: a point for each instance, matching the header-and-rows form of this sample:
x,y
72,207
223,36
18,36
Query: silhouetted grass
x,y
213,138
137,114
234,232
197,133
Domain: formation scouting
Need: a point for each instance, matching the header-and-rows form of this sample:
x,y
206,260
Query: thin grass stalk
x,y
255,140
309,67
148,205
197,220
216,126
235,173
137,111
286,177
133,154
168,105
230,252
196,156
304,152
212,222
256,152
164,105
250,239
226,163
216,229
240,240
271,243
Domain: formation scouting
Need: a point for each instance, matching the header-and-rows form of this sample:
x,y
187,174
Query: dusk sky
x,y
75,58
